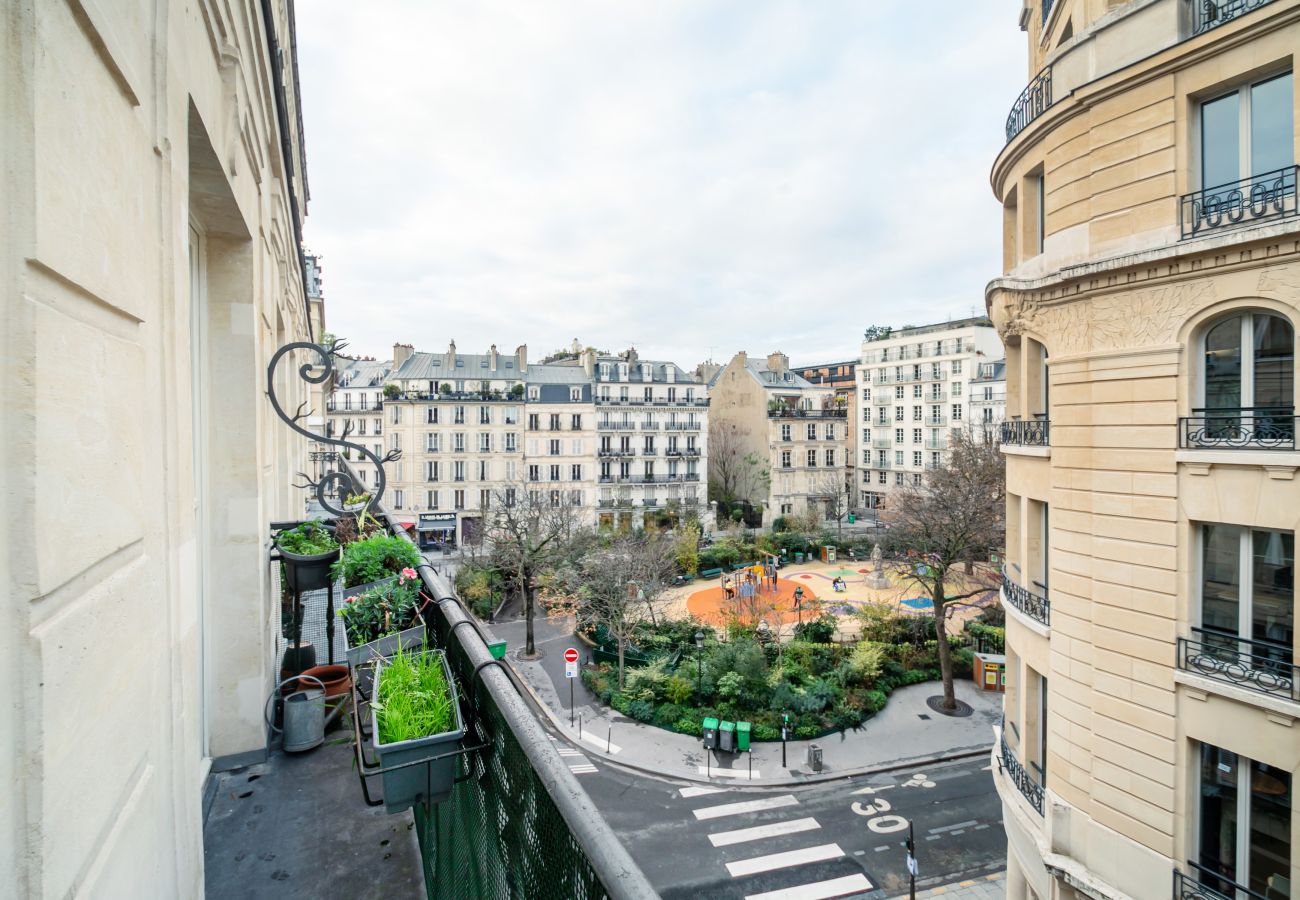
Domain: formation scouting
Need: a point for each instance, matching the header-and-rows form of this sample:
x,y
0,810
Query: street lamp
x,y
699,654
798,603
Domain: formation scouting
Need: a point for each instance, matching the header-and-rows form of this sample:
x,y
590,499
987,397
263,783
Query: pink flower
x,y
408,574
349,599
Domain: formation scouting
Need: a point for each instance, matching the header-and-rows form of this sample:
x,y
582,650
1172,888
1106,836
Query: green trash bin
x,y
497,649
727,737
852,518
742,735
710,730
798,557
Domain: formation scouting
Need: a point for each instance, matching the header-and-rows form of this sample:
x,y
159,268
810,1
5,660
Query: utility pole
x,y
785,728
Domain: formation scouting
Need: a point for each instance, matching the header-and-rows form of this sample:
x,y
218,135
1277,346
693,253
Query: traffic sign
x,y
570,670
570,655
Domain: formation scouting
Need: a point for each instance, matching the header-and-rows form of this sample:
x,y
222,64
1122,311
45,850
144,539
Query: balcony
x,y
1211,885
625,451
882,464
1261,198
681,426
936,397
1261,666
1033,101
649,451
882,443
936,444
689,451
1034,432
1026,601
884,400
787,413
1247,428
936,422
649,426
1207,15
1030,789
618,426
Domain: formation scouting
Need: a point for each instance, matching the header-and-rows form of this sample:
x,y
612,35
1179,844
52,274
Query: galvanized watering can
x,y
304,714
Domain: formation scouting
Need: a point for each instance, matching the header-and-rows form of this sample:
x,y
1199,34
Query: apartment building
x,y
355,407
841,377
987,396
154,191
913,392
652,428
560,462
764,410
1149,301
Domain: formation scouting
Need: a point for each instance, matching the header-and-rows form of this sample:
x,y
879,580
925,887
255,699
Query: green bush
x,y
679,689
818,631
373,558
666,714
641,710
311,538
875,701
764,732
688,725
866,660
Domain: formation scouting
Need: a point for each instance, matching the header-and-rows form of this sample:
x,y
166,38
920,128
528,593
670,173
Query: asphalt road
x,y
849,835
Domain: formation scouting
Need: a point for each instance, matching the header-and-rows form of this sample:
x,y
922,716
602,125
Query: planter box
x,y
408,639
360,589
307,573
431,783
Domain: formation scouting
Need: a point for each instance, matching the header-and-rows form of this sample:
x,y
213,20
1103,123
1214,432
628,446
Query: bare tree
x,y
527,529
957,515
734,473
834,493
617,585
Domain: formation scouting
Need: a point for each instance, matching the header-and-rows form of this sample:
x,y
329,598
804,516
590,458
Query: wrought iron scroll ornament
x,y
338,482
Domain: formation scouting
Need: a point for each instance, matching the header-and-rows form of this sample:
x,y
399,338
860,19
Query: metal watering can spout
x,y
304,714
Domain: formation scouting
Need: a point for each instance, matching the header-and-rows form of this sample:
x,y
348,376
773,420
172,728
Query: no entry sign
x,y
571,655
570,665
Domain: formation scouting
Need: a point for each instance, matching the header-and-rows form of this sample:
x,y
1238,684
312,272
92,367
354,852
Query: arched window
x,y
1248,384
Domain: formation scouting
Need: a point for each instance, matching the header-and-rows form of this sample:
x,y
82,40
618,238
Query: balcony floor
x,y
296,826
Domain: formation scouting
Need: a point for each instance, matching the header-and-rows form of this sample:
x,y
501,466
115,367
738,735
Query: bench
x,y
710,573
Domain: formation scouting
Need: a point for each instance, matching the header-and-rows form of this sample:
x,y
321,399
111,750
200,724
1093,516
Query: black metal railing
x,y
1207,14
1038,608
1245,428
1033,101
1209,885
786,413
1027,432
1030,789
1262,666
1265,197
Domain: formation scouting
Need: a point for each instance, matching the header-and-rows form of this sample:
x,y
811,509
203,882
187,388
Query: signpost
x,y
571,672
912,868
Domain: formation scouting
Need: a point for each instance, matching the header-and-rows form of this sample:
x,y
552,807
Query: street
x,y
841,838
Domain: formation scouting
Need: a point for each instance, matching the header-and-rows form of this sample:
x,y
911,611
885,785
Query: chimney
x,y
451,355
401,353
492,358
522,352
778,362
589,363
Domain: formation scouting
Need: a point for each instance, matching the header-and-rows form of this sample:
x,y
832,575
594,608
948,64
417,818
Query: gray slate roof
x,y
361,373
469,366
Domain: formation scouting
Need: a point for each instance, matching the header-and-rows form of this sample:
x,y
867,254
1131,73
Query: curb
x,y
821,778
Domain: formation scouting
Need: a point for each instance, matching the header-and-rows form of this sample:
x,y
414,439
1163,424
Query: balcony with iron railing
x,y
936,443
789,413
617,426
1035,432
1259,199
624,451
1030,789
1026,601
1265,667
689,451
649,426
681,426
1208,14
1204,883
1244,428
1033,101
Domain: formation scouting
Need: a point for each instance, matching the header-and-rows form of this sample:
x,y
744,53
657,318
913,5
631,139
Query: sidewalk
x,y
906,733
990,887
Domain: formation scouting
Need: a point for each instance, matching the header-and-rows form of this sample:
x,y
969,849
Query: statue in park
x,y
877,579
877,558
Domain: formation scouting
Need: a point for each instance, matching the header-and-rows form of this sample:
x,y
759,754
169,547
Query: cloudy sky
x,y
692,178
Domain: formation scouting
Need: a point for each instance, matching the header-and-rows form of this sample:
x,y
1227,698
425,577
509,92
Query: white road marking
x,y
745,806
872,790
715,772
599,742
784,860
953,827
583,769
776,829
819,890
701,791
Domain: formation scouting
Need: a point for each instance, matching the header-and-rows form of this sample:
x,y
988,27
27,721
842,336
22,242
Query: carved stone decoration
x,y
1115,322
1285,279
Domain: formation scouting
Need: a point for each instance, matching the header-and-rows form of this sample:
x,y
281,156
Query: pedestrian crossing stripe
x,y
758,832
745,806
784,860
819,890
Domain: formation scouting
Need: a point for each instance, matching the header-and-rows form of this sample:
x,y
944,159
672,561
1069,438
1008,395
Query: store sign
x,y
436,521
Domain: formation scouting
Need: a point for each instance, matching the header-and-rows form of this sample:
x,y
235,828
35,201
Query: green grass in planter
x,y
308,539
375,557
414,699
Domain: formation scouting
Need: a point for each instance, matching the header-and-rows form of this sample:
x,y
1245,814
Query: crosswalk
x,y
771,849
574,759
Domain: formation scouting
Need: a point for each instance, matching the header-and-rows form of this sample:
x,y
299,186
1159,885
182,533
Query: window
x,y
431,442
534,421
431,415
431,471
830,431
785,432
484,498
555,422
458,442
485,442
898,457
483,470
575,498
431,499
458,498
397,498
812,458
512,442
553,447
1244,823
485,415
866,435
916,435
555,473
534,392
812,431
916,414
458,470
898,435
787,508
898,413
916,458
785,459
956,388
916,391
882,477
956,367
1247,598
898,478
397,415
575,422
575,472
1248,385
830,456
1246,133
956,412
534,473
458,415
899,392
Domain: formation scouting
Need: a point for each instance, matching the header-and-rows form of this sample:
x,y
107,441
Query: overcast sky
x,y
691,178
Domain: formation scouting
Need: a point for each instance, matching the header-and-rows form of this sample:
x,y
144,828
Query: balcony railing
x,y
1037,608
882,443
1247,428
882,464
1031,790
1034,432
649,426
1262,666
617,426
610,452
689,451
1207,14
784,413
936,397
936,421
882,401
681,426
1210,886
1260,198
1033,101
936,444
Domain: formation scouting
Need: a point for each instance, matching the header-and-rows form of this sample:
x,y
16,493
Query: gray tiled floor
x,y
990,887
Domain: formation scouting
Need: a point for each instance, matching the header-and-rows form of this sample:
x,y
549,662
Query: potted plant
x,y
375,559
384,618
308,552
415,716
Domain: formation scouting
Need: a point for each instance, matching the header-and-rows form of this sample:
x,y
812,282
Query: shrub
x,y
621,702
641,710
875,701
687,548
383,610
818,631
374,558
650,681
311,538
730,685
691,726
679,689
963,663
764,732
866,660
666,714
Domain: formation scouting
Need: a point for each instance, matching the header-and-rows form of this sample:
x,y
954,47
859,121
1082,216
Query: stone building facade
x,y
151,161
1149,305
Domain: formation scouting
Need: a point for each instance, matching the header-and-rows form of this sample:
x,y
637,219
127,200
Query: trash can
x,y
798,557
815,757
710,728
727,737
497,649
852,518
742,736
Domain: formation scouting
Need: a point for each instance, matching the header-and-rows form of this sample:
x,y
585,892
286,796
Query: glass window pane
x,y
1270,830
1221,578
1220,158
1272,604
1223,366
1274,362
1218,839
1271,138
